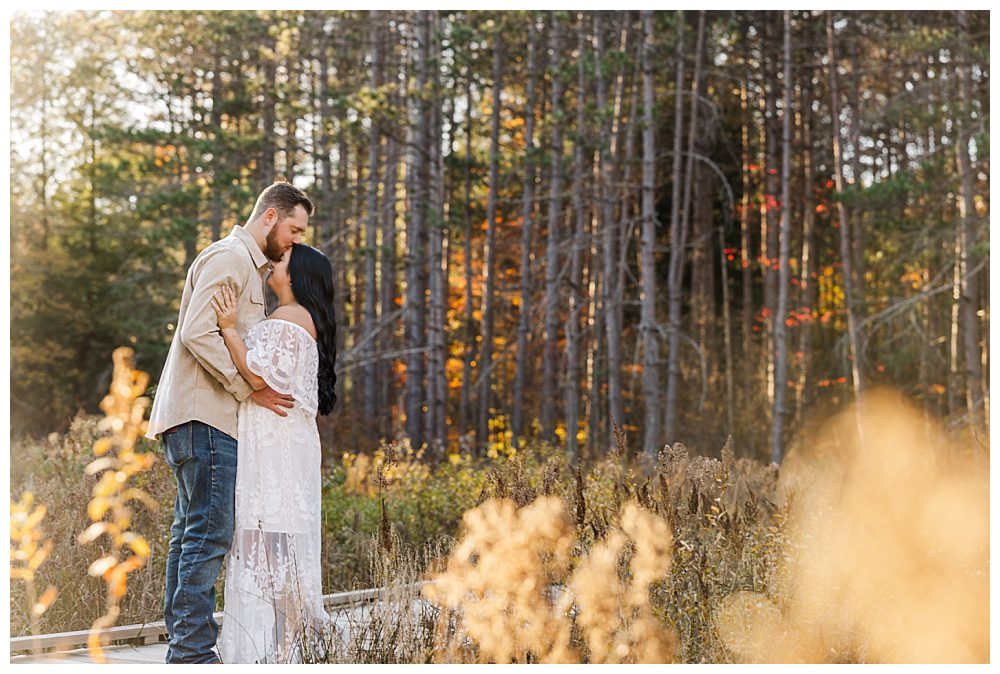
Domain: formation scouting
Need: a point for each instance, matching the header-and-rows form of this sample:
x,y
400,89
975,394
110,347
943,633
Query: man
x,y
195,412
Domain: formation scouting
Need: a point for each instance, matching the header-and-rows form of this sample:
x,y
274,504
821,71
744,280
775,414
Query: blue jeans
x,y
203,459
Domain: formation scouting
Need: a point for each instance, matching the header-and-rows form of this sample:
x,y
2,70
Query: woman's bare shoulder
x,y
297,314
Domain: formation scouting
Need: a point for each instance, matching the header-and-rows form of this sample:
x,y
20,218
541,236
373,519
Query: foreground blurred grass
x,y
860,551
376,505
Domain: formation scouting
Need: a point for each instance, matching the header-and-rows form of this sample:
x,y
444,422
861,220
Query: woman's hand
x,y
224,303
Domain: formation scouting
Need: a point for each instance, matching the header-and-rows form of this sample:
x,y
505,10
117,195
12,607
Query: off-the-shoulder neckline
x,y
285,320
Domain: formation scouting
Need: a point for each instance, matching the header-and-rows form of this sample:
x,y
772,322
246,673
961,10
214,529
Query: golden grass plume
x,y
109,508
889,547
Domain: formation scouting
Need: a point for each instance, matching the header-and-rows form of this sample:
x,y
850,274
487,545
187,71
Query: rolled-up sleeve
x,y
200,334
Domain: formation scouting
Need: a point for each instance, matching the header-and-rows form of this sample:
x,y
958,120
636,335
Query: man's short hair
x,y
283,197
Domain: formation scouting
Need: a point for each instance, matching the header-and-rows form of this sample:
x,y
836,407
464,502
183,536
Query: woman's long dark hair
x,y
311,275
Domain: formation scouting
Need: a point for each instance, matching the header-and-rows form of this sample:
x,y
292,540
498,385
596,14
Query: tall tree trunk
x,y
465,404
595,319
807,268
43,186
648,326
527,220
265,167
772,182
678,243
968,259
436,383
844,224
608,151
324,226
629,213
341,244
727,332
291,120
784,271
489,254
358,276
219,150
550,372
746,254
572,399
673,287
387,338
368,372
857,224
416,305
389,290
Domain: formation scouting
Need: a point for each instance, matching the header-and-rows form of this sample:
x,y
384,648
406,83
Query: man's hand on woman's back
x,y
272,400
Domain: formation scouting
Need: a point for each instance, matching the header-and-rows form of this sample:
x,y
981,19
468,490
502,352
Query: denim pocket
x,y
178,447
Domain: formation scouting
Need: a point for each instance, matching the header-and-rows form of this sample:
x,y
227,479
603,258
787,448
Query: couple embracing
x,y
236,410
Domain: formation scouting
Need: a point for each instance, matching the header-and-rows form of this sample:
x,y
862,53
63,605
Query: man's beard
x,y
271,250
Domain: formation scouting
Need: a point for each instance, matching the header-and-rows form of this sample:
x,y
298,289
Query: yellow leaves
x,y
140,495
913,278
17,573
98,465
92,532
117,586
25,552
125,410
28,551
394,463
101,448
96,638
106,486
101,566
45,601
97,507
501,438
40,556
138,544
35,518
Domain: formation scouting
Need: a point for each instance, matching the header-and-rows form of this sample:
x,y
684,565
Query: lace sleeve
x,y
274,354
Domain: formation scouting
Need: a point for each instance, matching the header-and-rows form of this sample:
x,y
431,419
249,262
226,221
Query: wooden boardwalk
x,y
148,641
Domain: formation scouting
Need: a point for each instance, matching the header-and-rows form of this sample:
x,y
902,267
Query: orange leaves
x,y
100,567
101,447
912,278
44,602
28,551
92,532
125,411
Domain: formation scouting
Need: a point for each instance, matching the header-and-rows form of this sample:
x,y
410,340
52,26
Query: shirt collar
x,y
256,253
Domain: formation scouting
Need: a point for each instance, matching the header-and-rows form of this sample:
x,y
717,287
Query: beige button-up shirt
x,y
199,380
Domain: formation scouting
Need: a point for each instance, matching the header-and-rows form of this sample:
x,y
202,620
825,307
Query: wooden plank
x,y
154,630
156,653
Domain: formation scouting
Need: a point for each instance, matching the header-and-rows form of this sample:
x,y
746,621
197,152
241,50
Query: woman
x,y
273,598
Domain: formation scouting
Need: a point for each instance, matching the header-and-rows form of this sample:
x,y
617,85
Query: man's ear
x,y
270,217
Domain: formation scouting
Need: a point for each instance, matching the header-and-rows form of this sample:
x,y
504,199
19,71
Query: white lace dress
x,y
273,596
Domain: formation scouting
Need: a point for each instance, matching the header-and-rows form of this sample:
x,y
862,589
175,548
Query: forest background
x,y
697,224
